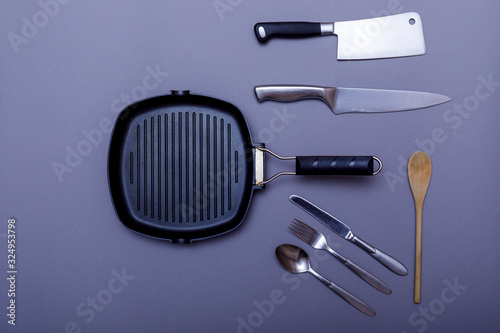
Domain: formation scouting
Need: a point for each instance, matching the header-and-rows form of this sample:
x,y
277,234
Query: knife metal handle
x,y
382,257
266,30
290,93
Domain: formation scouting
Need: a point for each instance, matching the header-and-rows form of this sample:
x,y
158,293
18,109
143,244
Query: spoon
x,y
419,175
295,260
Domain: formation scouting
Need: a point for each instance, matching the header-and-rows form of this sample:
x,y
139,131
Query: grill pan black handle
x,y
335,165
325,165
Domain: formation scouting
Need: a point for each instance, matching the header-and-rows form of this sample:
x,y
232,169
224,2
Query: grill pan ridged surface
x,y
181,167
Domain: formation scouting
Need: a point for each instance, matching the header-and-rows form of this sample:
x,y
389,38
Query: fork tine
x,y
303,229
308,227
299,235
297,229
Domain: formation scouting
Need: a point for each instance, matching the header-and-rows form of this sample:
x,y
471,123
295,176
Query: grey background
x,y
69,76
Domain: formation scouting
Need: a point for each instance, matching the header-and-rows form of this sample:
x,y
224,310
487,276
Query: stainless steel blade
x,y
328,220
382,37
357,100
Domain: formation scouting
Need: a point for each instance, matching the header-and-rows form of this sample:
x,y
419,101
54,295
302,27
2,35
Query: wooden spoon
x,y
419,174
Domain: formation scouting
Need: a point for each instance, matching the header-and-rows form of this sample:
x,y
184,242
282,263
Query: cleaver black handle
x,y
266,30
336,165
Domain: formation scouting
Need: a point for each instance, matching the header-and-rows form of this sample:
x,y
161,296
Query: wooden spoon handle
x,y
418,252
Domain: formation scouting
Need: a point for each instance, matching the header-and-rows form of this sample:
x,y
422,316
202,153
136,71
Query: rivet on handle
x,y
262,32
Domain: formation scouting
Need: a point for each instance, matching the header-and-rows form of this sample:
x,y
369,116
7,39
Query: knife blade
x,y
344,231
352,100
390,36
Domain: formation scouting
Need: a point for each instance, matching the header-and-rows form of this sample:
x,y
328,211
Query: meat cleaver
x,y
390,36
352,100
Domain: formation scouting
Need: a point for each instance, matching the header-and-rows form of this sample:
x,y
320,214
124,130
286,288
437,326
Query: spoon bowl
x,y
293,258
419,174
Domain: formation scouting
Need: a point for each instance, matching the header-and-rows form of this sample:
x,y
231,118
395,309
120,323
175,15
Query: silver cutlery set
x,y
295,260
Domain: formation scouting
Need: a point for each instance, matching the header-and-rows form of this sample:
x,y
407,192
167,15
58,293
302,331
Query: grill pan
x,y
183,167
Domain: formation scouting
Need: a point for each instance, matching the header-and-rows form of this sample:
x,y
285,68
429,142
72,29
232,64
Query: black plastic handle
x,y
334,165
265,30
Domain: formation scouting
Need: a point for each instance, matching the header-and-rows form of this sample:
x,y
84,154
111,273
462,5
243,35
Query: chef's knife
x,y
352,100
382,37
344,231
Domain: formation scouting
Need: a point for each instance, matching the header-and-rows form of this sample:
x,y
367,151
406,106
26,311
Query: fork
x,y
317,241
